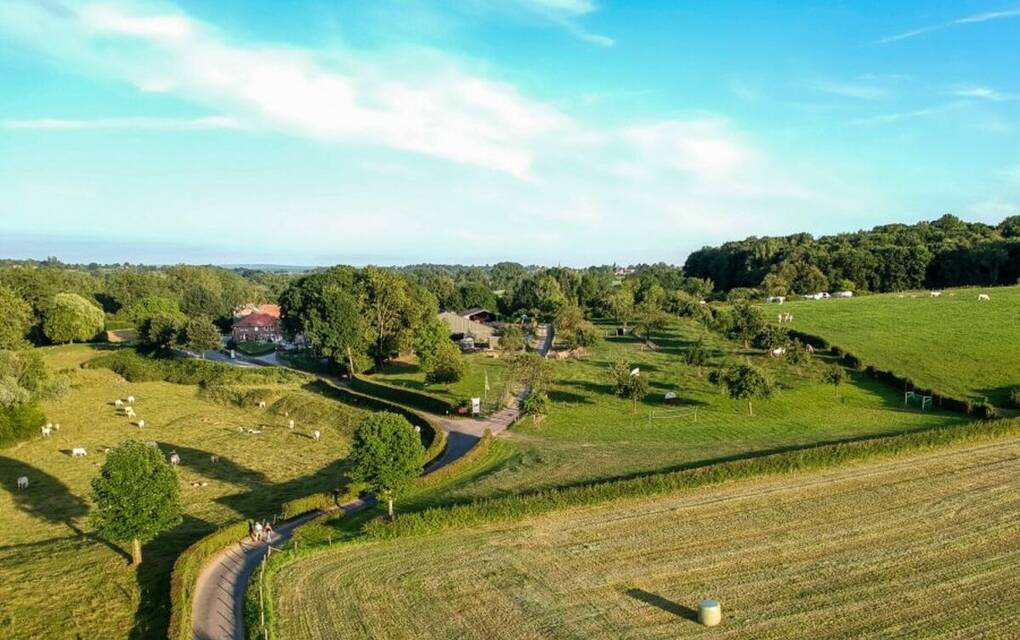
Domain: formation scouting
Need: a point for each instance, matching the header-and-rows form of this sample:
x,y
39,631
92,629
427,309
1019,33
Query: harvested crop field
x,y
921,547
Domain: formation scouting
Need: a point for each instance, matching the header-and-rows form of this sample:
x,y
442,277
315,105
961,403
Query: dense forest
x,y
945,253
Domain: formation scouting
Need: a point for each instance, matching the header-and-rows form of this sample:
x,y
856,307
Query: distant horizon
x,y
86,251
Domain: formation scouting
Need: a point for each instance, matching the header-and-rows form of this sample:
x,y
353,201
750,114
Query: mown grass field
x,y
591,434
406,373
924,546
954,343
59,581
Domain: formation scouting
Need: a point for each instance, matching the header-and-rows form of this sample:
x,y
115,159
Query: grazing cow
x,y
316,435
79,452
778,351
809,348
118,403
131,399
175,459
934,294
984,297
262,404
141,424
214,458
46,431
129,412
417,429
56,426
290,424
22,482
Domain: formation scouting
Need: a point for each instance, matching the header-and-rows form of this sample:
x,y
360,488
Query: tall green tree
x,y
201,335
136,496
72,318
386,454
619,305
747,321
744,382
512,339
447,366
834,375
15,319
628,382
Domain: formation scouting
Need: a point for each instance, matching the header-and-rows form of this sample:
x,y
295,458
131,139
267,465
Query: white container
x,y
709,612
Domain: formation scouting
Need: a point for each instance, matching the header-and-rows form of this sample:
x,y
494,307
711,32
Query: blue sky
x,y
544,131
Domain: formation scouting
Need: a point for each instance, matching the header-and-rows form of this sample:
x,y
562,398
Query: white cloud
x,y
166,124
569,7
564,13
973,19
427,106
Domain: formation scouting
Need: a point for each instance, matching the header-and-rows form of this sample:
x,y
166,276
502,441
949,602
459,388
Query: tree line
x,y
946,252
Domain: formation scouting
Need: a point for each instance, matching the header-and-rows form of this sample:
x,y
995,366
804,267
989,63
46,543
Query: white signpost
x,y
476,406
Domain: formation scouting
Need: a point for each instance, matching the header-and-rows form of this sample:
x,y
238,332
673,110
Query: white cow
x,y
131,399
174,458
214,458
778,351
934,294
118,403
290,424
129,412
141,424
262,404
46,431
984,297
79,452
23,482
316,435
56,426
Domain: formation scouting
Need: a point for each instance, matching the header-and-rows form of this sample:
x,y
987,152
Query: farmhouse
x,y
258,327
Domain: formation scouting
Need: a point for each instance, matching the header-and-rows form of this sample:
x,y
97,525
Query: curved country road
x,y
218,608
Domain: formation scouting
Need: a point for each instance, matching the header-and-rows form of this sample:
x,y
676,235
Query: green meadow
x,y
954,343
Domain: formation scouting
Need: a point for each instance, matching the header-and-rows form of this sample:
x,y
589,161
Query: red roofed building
x,y
257,327
248,309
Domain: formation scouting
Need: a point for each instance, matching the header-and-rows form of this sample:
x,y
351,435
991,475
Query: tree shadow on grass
x,y
46,497
567,397
657,601
224,469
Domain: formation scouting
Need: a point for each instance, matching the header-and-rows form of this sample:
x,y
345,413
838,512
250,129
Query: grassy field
x,y
406,373
591,434
921,547
953,343
57,580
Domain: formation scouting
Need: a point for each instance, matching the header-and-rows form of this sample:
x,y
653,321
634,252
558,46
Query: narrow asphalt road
x,y
218,607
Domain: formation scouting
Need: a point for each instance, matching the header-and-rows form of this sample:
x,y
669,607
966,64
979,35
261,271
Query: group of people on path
x,y
260,530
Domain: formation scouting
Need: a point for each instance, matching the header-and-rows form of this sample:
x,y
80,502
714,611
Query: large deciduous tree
x,y
15,319
386,455
201,335
628,382
136,496
72,318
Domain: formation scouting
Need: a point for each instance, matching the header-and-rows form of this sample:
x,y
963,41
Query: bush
x,y
416,399
20,422
535,404
307,504
446,367
255,349
135,367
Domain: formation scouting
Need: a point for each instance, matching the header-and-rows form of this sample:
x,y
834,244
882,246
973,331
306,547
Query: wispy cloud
x,y
861,90
984,93
899,116
987,16
565,13
157,124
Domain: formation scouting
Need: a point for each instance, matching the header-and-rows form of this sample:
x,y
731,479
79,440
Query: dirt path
x,y
218,607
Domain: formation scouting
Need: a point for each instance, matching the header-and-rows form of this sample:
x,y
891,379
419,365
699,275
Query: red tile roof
x,y
257,320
